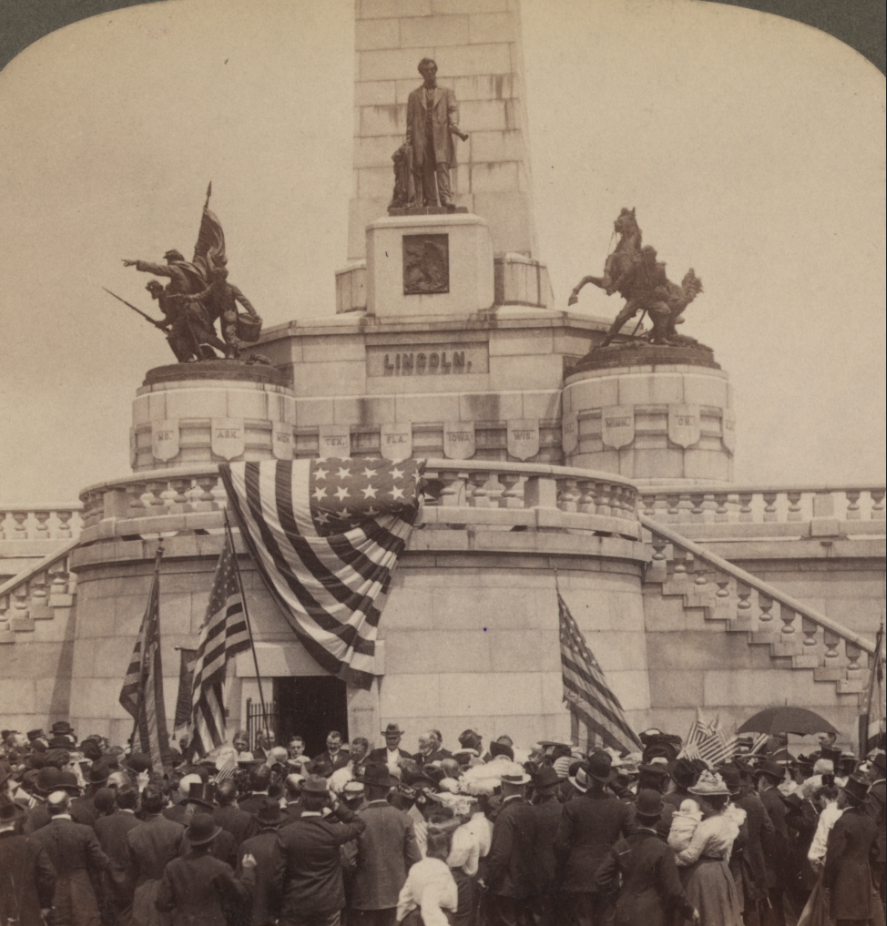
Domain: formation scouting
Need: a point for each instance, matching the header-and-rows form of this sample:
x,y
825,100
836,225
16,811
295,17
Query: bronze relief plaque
x,y
426,264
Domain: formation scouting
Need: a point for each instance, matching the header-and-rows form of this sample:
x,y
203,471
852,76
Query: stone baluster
x,y
64,517
854,654
832,642
479,496
155,502
697,503
586,496
42,518
58,574
649,502
877,504
205,500
766,605
788,618
2,525
743,606
770,513
679,557
180,488
602,499
722,511
4,613
19,602
745,509
617,506
722,580
701,572
21,527
568,495
794,505
657,570
453,488
513,495
630,502
136,492
38,592
495,491
853,511
809,629
673,500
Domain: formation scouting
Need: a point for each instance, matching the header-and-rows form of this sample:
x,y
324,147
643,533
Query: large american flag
x,y
591,702
142,691
223,635
326,535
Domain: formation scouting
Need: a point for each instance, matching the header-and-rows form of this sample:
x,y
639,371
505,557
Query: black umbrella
x,y
797,720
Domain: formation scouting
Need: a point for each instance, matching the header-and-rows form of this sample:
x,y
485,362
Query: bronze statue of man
x,y
432,121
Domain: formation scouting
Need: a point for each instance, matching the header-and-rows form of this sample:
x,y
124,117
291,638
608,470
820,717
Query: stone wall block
x,y
486,87
374,182
469,6
534,372
434,30
197,403
373,34
375,92
469,60
496,146
525,651
404,696
484,115
426,409
375,151
676,689
492,27
428,651
392,64
345,378
705,390
512,693
246,403
383,121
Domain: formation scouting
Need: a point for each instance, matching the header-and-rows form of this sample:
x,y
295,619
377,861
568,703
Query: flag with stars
x,y
326,535
591,703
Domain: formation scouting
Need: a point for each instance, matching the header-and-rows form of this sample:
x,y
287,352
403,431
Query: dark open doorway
x,y
310,706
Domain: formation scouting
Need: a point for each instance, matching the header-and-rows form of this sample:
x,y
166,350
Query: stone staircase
x,y
716,594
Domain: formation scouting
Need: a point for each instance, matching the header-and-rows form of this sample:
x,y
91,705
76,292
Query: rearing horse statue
x,y
621,262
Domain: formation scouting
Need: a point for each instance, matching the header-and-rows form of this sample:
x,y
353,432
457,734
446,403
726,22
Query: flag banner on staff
x,y
326,536
187,658
223,635
709,742
142,691
591,703
872,725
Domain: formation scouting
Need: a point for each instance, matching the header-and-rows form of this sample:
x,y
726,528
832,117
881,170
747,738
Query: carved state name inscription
x,y
428,360
619,422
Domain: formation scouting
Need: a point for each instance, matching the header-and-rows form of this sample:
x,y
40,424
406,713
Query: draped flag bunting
x,y
872,726
223,635
590,701
142,691
326,536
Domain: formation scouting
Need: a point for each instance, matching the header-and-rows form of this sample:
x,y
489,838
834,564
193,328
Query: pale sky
x,y
751,146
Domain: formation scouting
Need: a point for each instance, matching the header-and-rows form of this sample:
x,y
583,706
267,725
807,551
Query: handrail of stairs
x,y
770,591
49,560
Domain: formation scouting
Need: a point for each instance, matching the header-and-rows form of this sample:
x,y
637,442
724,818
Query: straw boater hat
x,y
710,784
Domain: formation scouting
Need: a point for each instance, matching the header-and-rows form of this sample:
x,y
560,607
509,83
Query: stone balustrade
x,y
37,593
776,510
40,522
746,604
495,495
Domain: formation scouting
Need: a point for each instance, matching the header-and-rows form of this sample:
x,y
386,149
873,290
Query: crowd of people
x,y
483,835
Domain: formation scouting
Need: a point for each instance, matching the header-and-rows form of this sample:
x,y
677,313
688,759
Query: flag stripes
x,y
223,635
707,741
142,692
589,698
326,536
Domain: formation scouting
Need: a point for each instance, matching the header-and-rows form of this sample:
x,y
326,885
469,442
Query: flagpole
x,y
249,626
870,699
135,729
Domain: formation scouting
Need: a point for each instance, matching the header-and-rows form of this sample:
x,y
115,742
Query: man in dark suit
x,y
508,876
334,758
748,862
78,860
151,845
265,901
293,790
432,120
27,878
309,863
386,850
590,824
47,781
430,749
199,889
651,892
851,850
776,847
390,754
111,830
259,783
240,824
546,813
876,807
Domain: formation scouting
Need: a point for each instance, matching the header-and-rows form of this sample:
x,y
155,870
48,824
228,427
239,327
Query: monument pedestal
x,y
211,412
429,265
655,415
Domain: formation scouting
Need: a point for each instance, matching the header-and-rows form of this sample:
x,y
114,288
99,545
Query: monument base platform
x,y
635,353
426,210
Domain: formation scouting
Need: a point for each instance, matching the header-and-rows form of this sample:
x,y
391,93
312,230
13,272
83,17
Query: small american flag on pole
x,y
326,536
591,703
142,691
224,634
707,741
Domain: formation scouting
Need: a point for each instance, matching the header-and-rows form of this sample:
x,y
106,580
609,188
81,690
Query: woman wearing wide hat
x,y
705,862
198,889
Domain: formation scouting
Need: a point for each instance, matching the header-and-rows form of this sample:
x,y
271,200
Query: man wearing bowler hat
x,y
876,805
47,781
651,891
200,800
309,866
546,814
199,889
265,903
386,850
590,823
390,754
769,776
27,878
849,856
